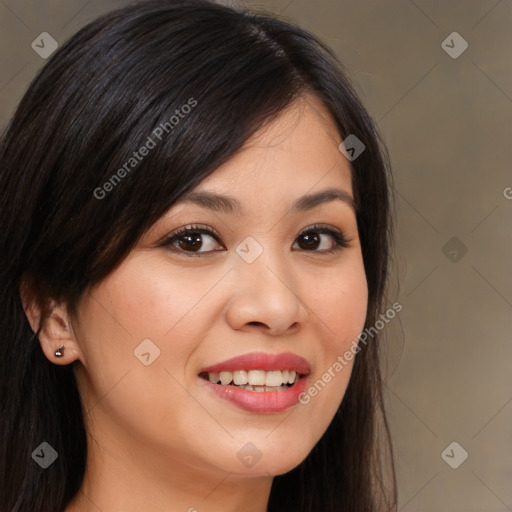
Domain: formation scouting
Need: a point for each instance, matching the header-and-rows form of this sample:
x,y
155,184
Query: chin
x,y
274,461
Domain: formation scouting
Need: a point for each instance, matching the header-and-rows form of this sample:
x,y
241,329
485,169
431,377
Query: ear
x,y
57,330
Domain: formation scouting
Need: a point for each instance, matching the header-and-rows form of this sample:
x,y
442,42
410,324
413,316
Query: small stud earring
x,y
58,352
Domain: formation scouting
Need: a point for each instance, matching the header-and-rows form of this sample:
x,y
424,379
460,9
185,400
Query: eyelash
x,y
339,238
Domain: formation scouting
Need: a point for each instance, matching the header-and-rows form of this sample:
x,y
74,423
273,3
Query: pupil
x,y
310,241
191,242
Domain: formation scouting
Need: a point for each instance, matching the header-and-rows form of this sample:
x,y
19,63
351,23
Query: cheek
x,y
140,301
340,305
145,299
132,305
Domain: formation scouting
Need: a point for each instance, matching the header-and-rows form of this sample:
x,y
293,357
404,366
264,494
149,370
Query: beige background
x,y
448,126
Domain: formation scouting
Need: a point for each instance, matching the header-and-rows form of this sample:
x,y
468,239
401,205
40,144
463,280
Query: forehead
x,y
293,154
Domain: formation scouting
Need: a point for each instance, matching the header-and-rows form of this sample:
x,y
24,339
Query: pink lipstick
x,y
259,382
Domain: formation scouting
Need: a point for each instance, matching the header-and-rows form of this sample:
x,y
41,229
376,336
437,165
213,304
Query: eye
x,y
198,240
193,239
322,239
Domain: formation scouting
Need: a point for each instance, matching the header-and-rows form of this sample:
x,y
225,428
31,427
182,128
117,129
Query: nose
x,y
265,296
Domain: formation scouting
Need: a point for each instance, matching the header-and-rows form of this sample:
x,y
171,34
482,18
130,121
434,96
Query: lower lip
x,y
259,401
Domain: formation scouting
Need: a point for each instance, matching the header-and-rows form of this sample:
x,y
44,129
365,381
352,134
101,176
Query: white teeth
x,y
214,377
240,377
255,380
226,378
256,377
273,378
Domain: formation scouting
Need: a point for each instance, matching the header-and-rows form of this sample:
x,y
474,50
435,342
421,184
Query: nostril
x,y
256,323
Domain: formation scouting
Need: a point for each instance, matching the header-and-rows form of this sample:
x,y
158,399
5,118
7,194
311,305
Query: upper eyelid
x,y
190,227
210,230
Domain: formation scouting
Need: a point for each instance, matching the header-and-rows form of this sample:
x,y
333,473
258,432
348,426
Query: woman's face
x,y
272,285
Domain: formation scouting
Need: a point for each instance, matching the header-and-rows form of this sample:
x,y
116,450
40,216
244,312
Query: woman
x,y
195,224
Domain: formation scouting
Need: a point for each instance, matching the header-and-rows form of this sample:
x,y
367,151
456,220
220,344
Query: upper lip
x,y
262,361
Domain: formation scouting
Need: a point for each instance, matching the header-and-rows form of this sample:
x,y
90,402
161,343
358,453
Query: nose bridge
x,y
265,290
263,263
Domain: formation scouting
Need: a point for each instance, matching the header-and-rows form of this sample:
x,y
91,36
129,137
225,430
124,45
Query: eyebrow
x,y
227,204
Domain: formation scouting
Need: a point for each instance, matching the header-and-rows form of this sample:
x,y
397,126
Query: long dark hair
x,y
93,104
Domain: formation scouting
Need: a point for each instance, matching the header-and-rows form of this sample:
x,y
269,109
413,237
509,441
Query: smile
x,y
258,382
255,380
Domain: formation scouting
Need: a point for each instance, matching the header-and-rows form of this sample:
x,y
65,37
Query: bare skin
x,y
158,438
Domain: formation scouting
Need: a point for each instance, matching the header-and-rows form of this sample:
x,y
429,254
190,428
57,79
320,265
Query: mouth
x,y
258,382
254,380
